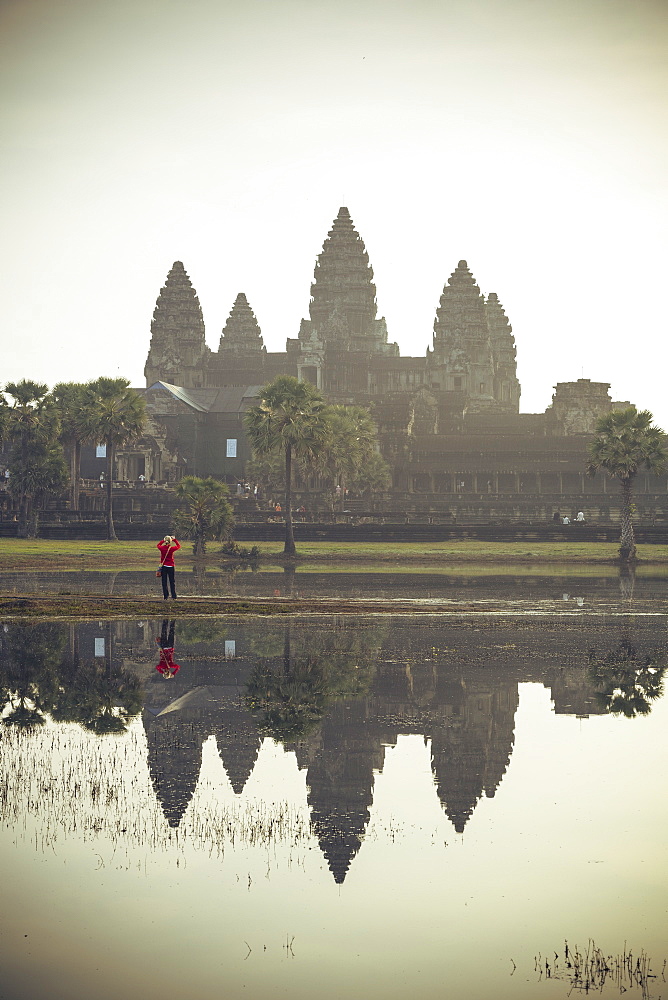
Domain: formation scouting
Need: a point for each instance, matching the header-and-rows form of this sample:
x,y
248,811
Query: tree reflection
x,y
627,681
42,674
29,672
291,693
627,580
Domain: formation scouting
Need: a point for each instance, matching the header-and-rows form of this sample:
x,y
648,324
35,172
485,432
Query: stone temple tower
x,y
343,326
474,347
241,354
462,358
241,335
178,353
504,355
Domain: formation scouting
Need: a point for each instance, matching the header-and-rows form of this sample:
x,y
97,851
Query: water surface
x,y
366,807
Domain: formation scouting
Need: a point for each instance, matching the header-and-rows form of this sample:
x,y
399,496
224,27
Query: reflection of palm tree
x,y
292,696
117,695
627,580
288,579
293,692
627,682
199,577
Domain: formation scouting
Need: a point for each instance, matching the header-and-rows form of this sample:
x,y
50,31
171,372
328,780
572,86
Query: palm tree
x,y
207,514
74,401
117,418
289,419
36,464
4,418
626,441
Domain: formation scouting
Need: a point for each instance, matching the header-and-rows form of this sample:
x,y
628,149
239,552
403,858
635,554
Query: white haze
x,y
526,137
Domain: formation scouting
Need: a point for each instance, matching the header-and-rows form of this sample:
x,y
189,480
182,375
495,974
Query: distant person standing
x,y
168,546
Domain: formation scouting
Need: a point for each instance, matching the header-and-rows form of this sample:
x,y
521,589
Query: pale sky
x,y
525,136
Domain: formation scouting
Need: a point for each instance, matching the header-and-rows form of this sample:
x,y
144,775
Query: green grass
x,y
41,554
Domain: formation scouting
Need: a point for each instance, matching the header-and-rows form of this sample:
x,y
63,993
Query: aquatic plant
x,y
591,969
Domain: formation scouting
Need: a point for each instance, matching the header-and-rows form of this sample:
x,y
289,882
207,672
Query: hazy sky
x,y
526,136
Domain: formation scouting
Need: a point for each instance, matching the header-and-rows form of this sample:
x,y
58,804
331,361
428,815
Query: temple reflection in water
x,y
337,695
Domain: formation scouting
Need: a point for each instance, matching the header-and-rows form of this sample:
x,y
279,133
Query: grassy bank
x,y
34,555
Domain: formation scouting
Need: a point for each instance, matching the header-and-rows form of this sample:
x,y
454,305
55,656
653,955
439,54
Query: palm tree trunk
x,y
111,531
32,517
23,517
76,474
627,544
286,651
24,512
289,547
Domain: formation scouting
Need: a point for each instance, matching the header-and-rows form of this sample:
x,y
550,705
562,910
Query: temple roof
x,y
228,399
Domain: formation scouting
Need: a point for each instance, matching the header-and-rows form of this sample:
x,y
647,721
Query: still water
x,y
559,586
357,807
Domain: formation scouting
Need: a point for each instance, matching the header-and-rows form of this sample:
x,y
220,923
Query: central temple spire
x,y
343,329
343,293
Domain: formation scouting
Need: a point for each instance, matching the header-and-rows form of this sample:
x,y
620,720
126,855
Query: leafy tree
x,y
116,417
626,441
74,402
207,511
36,462
349,445
288,420
39,677
626,681
373,477
268,471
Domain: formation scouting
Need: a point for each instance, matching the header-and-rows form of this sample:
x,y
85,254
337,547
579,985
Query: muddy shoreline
x,y
54,606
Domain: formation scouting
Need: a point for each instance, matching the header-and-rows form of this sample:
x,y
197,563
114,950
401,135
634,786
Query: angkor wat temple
x,y
449,421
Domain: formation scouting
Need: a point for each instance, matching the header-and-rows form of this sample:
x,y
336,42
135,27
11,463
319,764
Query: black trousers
x,y
167,573
166,640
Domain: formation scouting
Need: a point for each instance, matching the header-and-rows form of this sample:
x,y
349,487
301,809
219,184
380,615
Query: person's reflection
x,y
165,641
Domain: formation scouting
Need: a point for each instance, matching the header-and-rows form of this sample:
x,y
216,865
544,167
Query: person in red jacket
x,y
165,641
168,546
